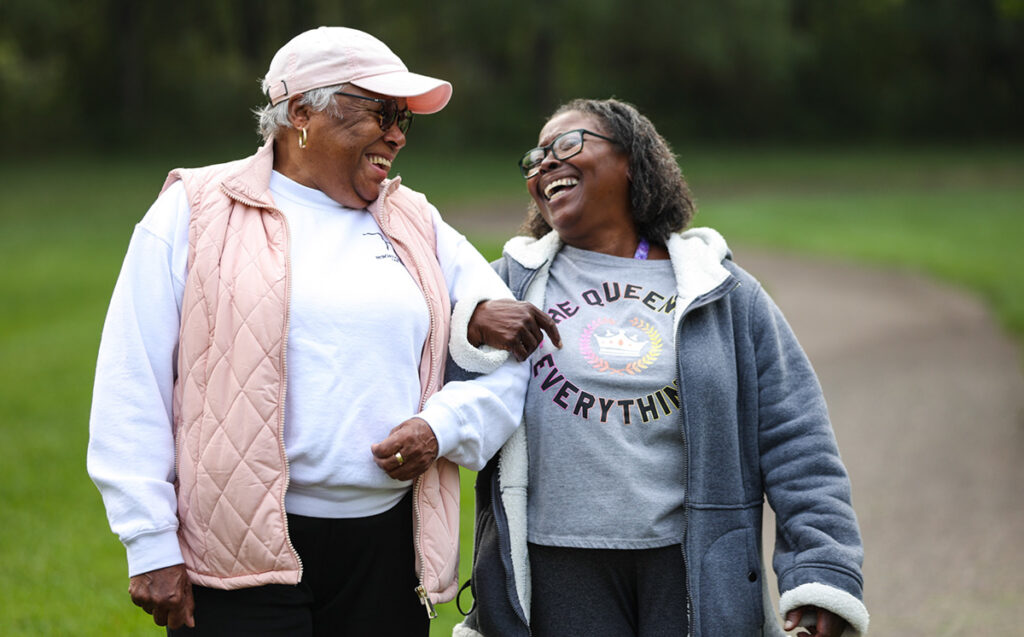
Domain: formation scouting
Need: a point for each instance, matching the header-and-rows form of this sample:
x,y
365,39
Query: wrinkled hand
x,y
514,326
166,594
828,625
415,440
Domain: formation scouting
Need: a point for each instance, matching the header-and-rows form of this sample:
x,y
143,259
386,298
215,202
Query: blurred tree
x,y
114,73
913,68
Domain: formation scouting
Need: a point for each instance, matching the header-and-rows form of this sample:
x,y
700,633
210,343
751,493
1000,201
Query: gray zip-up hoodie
x,y
754,424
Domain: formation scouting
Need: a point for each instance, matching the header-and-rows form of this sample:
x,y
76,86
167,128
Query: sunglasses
x,y
566,145
389,114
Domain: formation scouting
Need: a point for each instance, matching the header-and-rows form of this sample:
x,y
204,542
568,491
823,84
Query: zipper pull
x,y
425,600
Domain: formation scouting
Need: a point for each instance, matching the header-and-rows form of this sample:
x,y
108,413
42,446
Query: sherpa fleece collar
x,y
696,255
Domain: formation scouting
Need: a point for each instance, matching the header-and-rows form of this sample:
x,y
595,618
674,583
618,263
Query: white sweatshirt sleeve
x,y
131,448
472,419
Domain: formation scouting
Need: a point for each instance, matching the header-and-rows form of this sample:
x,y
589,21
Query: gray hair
x,y
273,118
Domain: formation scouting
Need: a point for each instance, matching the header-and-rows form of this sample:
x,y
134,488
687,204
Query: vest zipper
x,y
284,353
284,383
421,589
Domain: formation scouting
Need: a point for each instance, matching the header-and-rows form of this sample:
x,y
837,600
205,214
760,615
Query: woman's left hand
x,y
515,326
828,625
407,451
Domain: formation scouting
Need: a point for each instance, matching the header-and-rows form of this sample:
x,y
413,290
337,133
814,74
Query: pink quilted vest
x,y
232,472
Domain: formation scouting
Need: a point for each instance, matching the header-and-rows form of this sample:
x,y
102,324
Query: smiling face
x,y
585,198
346,158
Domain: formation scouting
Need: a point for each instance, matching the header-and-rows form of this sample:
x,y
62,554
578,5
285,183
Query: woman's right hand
x,y
166,594
822,622
514,326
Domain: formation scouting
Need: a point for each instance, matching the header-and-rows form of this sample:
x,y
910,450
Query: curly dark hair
x,y
658,193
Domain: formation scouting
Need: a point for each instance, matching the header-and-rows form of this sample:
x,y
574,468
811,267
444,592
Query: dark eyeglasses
x,y
389,114
563,147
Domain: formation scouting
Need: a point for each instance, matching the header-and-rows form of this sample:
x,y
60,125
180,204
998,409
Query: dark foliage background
x,y
129,73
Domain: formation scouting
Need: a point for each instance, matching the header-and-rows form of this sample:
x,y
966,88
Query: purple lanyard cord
x,y
642,249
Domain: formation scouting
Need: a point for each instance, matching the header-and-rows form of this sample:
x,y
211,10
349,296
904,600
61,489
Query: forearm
x,y
470,280
818,552
130,455
472,419
132,465
131,459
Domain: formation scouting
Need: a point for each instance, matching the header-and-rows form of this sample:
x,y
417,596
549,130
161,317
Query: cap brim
x,y
424,94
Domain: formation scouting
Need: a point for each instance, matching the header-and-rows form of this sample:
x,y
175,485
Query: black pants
x,y
607,593
358,579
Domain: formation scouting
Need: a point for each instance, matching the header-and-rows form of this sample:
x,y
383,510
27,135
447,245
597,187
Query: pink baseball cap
x,y
338,55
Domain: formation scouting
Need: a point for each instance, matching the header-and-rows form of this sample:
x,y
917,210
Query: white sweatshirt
x,y
355,337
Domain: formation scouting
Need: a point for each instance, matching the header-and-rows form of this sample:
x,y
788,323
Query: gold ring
x,y
399,458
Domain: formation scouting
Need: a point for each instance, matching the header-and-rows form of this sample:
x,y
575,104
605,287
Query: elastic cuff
x,y
481,360
462,630
445,423
150,551
831,599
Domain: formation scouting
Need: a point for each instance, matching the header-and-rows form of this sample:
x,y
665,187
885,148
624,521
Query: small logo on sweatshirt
x,y
389,250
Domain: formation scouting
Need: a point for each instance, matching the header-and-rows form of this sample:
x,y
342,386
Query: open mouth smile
x,y
559,187
380,160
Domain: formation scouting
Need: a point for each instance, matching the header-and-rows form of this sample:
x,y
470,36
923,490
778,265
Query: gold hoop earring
x,y
302,138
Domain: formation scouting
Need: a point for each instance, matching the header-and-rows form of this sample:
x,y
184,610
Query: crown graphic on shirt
x,y
618,343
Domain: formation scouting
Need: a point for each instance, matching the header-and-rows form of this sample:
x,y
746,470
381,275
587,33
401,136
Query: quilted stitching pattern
x,y
231,463
232,471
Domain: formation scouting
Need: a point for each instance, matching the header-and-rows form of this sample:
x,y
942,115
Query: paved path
x,y
927,400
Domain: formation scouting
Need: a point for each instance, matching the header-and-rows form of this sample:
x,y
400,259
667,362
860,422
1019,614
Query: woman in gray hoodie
x,y
630,500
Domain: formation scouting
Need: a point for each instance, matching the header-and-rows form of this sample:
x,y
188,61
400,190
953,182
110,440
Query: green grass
x,y
953,213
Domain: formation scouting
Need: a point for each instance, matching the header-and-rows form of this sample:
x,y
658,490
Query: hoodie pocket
x,y
730,586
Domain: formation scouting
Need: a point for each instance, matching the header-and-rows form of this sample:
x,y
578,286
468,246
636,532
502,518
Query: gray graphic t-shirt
x,y
605,442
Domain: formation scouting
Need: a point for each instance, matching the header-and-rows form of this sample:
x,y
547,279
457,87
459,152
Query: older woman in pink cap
x,y
268,428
